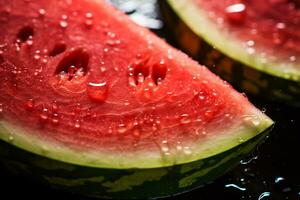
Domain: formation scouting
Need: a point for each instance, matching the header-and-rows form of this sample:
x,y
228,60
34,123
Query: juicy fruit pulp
x,y
252,44
110,108
85,92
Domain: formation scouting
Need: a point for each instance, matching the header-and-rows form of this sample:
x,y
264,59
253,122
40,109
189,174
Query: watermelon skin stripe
x,y
241,76
123,183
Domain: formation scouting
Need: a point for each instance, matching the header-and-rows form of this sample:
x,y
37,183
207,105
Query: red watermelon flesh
x,y
263,26
80,81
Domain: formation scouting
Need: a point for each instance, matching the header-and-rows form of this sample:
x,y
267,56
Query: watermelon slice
x,y
93,103
252,44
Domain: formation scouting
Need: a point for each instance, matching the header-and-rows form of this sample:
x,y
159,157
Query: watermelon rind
x,y
123,183
218,49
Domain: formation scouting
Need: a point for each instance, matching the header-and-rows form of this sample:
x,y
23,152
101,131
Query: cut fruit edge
x,y
197,20
205,148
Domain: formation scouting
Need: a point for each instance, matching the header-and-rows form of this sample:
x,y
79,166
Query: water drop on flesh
x,y
97,91
88,23
42,12
165,147
280,25
55,118
185,119
122,128
1,107
236,13
187,150
29,104
292,58
89,15
44,114
77,124
136,133
63,24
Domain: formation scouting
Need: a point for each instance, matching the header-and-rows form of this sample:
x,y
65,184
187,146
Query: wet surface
x,y
270,172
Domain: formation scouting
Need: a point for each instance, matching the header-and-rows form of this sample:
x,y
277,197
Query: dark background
x,y
270,172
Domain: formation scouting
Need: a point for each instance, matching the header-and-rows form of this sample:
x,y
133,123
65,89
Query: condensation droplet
x,y
63,24
185,119
263,195
89,15
11,138
30,104
42,12
122,128
236,13
292,58
44,114
55,118
77,124
97,91
187,150
280,25
235,187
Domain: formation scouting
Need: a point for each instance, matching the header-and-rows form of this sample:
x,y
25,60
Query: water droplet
x,y
29,104
97,91
64,17
280,25
279,179
122,128
201,97
250,43
140,78
105,50
236,13
77,124
235,187
55,118
263,195
42,12
29,42
1,107
89,23
185,119
44,114
136,132
165,147
11,138
36,56
63,24
89,15
187,150
293,58
102,69
250,50
200,131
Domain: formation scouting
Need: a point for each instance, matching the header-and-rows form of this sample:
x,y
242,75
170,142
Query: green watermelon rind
x,y
223,40
209,146
124,183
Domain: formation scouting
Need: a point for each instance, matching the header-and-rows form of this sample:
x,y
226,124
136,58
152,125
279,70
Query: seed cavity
x,y
58,49
25,34
141,71
74,64
159,72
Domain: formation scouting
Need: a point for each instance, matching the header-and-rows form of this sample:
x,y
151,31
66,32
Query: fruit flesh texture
x,y
109,88
248,32
264,26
